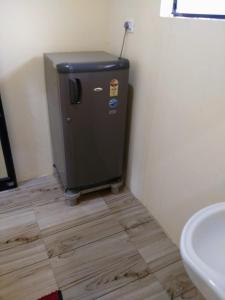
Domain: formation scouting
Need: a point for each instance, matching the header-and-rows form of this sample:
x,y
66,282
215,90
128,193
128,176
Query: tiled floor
x,y
107,247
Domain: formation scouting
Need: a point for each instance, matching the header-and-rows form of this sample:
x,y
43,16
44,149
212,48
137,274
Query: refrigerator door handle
x,y
75,90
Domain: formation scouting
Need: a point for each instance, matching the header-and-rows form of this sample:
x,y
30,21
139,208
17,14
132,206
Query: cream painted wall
x,y
28,28
177,151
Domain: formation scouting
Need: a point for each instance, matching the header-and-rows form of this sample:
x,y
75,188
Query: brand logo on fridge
x,y
113,103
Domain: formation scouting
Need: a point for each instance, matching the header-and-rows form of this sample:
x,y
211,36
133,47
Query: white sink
x,y
203,251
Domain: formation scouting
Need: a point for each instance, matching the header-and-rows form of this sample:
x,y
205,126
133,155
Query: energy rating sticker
x,y
114,88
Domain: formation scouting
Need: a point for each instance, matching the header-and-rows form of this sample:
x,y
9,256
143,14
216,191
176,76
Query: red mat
x,y
53,296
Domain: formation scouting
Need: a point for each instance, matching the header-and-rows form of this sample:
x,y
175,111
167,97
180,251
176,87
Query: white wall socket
x,y
129,25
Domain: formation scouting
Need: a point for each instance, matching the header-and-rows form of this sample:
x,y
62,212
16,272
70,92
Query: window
x,y
199,8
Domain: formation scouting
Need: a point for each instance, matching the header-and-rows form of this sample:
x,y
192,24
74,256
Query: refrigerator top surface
x,y
77,62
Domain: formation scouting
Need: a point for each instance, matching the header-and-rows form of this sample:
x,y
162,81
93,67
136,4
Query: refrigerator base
x,y
72,196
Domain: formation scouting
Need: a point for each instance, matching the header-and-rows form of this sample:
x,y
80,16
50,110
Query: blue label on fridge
x,y
113,103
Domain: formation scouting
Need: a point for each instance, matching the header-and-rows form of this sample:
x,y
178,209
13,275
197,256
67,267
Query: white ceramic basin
x,y
203,251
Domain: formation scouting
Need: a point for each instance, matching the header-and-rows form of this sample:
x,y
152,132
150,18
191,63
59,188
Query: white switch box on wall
x,y
129,25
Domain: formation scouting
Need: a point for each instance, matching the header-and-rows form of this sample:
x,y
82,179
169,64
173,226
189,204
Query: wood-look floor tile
x,y
14,200
34,192
148,237
147,288
18,228
46,193
174,279
193,294
158,251
81,235
29,283
104,248
132,217
22,256
43,180
120,201
145,233
56,217
99,268
40,191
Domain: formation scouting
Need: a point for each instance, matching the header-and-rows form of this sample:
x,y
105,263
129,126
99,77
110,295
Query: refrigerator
x,y
87,104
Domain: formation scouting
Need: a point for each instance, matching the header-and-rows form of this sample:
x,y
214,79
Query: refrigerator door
x,y
94,107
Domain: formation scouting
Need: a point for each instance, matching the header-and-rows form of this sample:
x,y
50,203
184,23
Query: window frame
x,y
10,181
191,15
